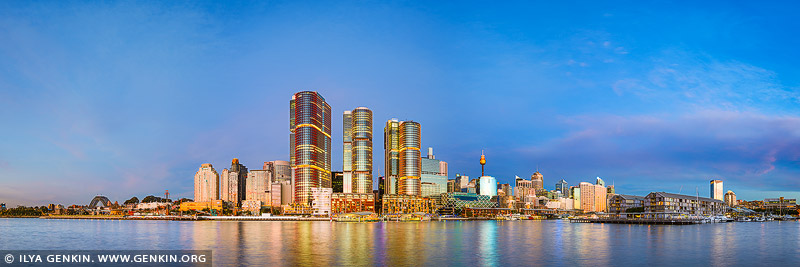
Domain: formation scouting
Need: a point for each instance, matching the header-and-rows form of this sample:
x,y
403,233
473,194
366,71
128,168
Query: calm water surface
x,y
486,243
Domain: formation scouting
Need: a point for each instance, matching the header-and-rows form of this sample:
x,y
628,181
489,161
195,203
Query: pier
x,y
638,221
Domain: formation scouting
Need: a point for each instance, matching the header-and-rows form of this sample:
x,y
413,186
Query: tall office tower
x,y
391,147
357,158
408,176
716,190
347,152
537,180
562,187
730,198
233,182
337,181
310,144
206,184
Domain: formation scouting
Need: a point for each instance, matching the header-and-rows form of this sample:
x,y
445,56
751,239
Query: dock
x,y
638,221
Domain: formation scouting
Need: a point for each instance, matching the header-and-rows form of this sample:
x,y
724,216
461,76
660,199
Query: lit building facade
x,y
281,170
666,203
716,190
391,147
592,197
206,184
357,157
321,201
404,204
730,198
433,173
409,167
310,144
455,203
621,203
351,202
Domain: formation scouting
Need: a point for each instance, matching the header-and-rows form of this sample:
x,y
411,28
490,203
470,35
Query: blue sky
x,y
125,99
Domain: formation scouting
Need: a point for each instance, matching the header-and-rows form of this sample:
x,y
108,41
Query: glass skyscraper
x,y
391,149
408,180
357,156
310,144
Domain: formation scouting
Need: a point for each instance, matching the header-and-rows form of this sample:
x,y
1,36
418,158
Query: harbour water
x,y
452,243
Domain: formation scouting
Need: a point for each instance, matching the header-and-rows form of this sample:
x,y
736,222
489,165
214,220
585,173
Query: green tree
x,y
133,200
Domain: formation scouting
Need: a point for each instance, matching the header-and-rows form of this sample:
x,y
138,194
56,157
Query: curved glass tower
x,y
409,172
360,156
310,143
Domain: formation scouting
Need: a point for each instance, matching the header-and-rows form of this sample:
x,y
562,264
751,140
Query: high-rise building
x,y
600,182
730,198
401,144
462,181
206,184
592,197
716,190
391,147
505,189
487,186
234,183
281,170
357,157
562,187
432,172
337,181
575,194
537,181
310,144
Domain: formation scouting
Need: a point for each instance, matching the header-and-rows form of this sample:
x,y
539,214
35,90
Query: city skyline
x,y
583,97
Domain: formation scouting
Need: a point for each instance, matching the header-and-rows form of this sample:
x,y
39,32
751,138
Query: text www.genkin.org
x,y
108,257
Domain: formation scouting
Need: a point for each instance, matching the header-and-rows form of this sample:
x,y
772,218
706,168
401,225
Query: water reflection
x,y
468,243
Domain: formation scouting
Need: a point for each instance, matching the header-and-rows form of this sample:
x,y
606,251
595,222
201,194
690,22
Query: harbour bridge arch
x,y
100,199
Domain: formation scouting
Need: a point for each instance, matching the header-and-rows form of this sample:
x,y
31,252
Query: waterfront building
x,y
592,197
258,186
455,203
563,187
782,204
487,186
404,204
391,147
310,144
716,190
357,155
338,182
321,201
730,198
537,181
621,203
206,183
352,202
667,203
209,206
234,183
409,167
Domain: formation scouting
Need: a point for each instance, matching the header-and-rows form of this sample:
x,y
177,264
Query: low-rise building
x,y
404,204
199,206
669,203
252,206
780,203
352,203
621,203
321,201
455,203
